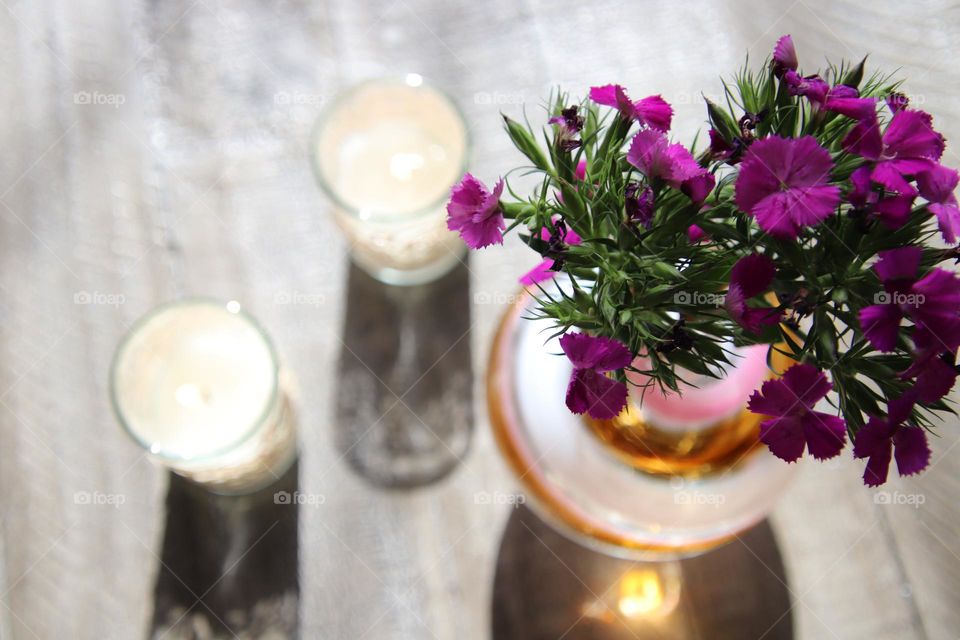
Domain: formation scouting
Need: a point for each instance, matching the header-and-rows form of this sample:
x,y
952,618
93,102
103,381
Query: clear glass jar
x,y
198,385
386,153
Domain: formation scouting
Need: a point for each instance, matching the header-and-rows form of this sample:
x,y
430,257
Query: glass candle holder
x,y
198,385
386,153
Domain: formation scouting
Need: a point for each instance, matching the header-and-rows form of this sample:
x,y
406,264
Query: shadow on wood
x,y
404,402
548,587
229,566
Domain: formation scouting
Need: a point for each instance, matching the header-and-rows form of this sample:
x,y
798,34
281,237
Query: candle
x,y
197,384
386,152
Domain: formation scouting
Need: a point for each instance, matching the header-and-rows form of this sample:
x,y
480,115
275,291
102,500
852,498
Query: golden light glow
x,y
641,594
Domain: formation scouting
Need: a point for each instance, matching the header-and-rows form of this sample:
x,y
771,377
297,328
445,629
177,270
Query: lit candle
x,y
386,153
197,384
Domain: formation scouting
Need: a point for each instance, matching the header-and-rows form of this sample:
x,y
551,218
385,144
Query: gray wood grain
x,y
158,149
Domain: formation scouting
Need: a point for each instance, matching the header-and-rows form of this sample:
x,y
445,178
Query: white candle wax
x,y
196,384
387,153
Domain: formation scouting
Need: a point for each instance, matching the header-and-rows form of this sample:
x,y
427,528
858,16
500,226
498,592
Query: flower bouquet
x,y
811,221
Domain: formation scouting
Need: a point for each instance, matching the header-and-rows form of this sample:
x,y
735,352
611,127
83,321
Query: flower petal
x,y
898,264
826,434
594,352
654,112
910,134
540,273
784,437
807,384
596,394
785,55
881,324
911,450
753,274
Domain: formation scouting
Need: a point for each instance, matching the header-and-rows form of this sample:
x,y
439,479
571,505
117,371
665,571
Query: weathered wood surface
x,y
158,149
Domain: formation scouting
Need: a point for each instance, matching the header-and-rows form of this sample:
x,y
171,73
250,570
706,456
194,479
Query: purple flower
x,y
793,423
558,241
653,111
814,88
569,124
891,209
845,100
881,437
897,101
907,147
590,390
783,182
695,234
639,207
932,302
936,185
656,158
933,367
784,56
475,212
750,277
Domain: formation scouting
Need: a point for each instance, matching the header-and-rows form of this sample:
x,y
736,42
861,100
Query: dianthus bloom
x,y
881,437
793,424
784,183
653,111
475,212
656,158
750,277
937,185
932,302
908,146
558,240
590,390
784,56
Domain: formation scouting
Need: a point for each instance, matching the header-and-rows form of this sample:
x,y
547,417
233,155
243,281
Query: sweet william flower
x,y
933,367
695,234
793,424
590,390
784,56
891,209
475,212
558,241
751,276
653,111
639,204
908,146
814,88
784,183
569,124
656,158
932,302
881,437
897,101
937,185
